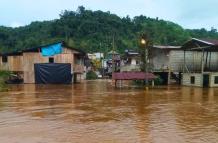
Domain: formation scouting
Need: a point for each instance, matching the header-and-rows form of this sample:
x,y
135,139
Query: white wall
x,y
186,79
133,61
212,79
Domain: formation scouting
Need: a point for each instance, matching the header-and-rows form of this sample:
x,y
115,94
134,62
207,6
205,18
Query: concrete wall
x,y
186,79
212,77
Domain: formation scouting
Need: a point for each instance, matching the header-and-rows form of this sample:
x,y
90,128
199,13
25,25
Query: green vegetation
x,y
158,81
3,76
93,31
91,75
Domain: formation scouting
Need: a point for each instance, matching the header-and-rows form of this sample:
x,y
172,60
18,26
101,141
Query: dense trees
x,y
94,31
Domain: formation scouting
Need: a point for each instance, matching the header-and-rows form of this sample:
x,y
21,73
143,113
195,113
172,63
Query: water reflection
x,y
95,111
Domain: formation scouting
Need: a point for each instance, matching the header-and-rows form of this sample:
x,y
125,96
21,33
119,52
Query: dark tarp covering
x,y
53,73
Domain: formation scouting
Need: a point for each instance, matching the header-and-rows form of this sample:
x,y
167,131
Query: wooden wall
x,y
15,64
25,63
160,60
67,56
29,59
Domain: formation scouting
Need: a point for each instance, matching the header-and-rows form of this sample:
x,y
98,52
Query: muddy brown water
x,y
96,112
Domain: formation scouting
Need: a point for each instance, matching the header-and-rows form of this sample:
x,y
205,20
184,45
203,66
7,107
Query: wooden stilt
x,y
184,63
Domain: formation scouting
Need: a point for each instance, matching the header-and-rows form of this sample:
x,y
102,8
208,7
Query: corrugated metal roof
x,y
166,47
198,44
213,41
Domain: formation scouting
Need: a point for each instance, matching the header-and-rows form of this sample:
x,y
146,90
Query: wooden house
x,y
172,57
130,61
22,62
169,60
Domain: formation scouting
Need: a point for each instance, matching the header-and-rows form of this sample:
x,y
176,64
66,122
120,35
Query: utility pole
x,y
113,52
144,45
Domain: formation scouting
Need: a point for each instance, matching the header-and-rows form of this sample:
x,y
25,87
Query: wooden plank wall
x,y
15,64
160,59
25,63
3,66
29,59
67,56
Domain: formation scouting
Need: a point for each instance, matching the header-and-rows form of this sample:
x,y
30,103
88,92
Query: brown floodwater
x,y
96,112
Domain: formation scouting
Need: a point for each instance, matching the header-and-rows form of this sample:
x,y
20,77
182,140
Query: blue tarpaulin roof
x,y
52,50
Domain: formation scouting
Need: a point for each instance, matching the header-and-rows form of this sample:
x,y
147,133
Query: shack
x,y
52,58
203,71
130,61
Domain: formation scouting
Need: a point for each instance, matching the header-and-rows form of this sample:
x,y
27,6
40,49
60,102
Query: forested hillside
x,y
93,31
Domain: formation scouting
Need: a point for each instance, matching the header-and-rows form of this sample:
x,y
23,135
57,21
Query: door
x,y
206,80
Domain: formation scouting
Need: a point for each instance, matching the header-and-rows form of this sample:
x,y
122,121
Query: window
x,y
216,80
4,59
192,80
51,60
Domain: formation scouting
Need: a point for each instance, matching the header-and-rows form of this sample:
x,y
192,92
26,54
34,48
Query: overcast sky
x,y
188,13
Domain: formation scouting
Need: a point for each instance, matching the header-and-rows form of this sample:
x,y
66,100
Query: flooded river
x,y
96,112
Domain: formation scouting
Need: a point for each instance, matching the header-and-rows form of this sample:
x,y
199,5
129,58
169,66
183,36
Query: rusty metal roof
x,y
133,76
212,41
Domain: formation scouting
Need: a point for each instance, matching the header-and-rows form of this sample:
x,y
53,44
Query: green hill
x,y
93,31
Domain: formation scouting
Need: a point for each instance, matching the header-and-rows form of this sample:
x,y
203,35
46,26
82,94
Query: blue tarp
x,y
52,50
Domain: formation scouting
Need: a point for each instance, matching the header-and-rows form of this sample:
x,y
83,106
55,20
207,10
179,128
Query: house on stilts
x,y
53,63
203,70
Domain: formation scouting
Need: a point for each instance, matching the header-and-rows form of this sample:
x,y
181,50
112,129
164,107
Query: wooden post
x,y
152,83
206,61
209,61
202,61
184,63
169,76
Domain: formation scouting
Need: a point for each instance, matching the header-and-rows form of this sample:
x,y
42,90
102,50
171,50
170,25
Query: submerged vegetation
x,y
3,77
93,31
91,75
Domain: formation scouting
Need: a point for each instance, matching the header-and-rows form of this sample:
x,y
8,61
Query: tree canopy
x,y
94,31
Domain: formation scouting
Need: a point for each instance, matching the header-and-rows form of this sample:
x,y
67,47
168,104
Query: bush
x,y
158,81
91,75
